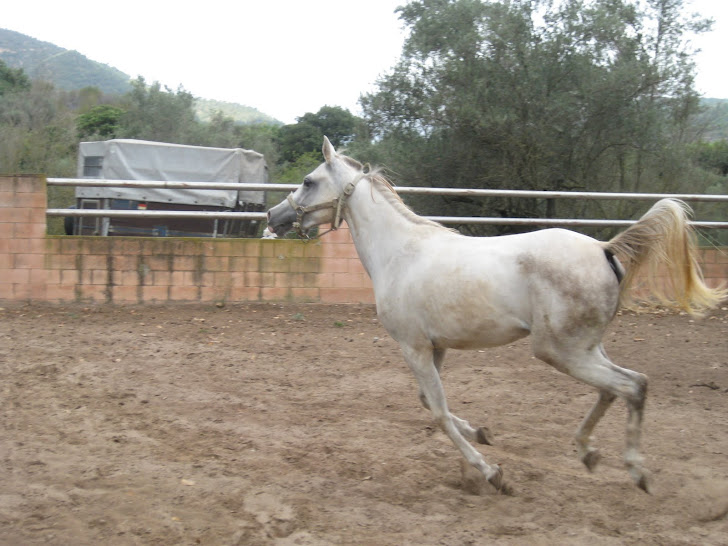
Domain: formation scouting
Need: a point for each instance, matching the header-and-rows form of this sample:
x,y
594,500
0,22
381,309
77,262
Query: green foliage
x,y
156,113
89,97
38,132
712,122
153,112
298,169
524,94
293,173
101,121
40,126
711,156
298,139
12,79
337,123
305,136
37,135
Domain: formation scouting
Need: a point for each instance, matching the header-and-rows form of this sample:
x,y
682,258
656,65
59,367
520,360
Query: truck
x,y
128,159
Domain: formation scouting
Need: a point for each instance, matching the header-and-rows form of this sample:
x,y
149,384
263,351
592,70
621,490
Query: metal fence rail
x,y
550,222
113,213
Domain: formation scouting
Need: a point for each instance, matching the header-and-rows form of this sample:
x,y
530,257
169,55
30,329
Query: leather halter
x,y
337,206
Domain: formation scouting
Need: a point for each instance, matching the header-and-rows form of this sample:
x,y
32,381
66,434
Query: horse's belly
x,y
481,336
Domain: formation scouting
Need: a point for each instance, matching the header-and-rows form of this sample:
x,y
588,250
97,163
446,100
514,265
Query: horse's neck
x,y
379,230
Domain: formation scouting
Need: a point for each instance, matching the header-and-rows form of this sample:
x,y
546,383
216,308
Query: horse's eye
x,y
307,182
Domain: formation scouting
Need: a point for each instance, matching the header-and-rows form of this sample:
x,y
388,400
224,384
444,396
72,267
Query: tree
x,y
262,139
298,139
530,94
12,79
159,114
305,136
37,132
712,156
102,121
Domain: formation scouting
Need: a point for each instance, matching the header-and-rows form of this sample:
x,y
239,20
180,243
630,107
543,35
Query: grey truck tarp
x,y
143,160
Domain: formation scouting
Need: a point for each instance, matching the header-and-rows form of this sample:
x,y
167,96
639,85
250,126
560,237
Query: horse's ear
x,y
328,150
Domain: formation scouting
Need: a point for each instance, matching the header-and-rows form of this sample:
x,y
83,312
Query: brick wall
x,y
37,267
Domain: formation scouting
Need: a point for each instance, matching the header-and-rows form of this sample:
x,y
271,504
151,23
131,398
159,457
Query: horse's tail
x,y
663,237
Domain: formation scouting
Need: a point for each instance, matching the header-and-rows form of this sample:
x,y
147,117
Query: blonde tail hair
x,y
663,237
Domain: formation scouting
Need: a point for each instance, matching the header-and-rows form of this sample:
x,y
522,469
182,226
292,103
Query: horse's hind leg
x,y
482,435
590,456
632,457
422,363
594,368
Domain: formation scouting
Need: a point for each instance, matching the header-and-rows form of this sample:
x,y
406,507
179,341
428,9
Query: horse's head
x,y
321,197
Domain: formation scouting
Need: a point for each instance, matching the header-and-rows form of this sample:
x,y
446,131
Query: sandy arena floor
x,y
300,424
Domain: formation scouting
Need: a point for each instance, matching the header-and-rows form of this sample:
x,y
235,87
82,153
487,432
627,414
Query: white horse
x,y
436,290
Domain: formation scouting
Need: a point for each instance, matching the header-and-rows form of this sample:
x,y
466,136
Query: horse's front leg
x,y
422,362
482,435
438,357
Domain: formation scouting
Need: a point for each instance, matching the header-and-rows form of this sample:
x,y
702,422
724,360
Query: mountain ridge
x,y
71,70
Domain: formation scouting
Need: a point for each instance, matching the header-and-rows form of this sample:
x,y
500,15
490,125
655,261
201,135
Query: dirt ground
x,y
300,424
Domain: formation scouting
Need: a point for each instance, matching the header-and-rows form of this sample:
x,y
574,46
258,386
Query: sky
x,y
283,57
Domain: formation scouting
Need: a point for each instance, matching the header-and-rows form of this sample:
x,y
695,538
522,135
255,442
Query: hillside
x,y
65,69
71,70
206,108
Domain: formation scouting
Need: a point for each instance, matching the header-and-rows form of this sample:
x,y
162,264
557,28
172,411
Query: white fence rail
x,y
564,222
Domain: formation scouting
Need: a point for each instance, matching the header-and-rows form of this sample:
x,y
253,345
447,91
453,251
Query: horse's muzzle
x,y
281,218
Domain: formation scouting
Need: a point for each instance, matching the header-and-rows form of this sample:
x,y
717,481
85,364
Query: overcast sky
x,y
283,57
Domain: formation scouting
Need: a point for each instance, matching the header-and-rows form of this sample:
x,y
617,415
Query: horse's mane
x,y
387,190
380,182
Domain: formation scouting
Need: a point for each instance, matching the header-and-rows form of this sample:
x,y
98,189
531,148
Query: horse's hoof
x,y
591,459
640,477
475,482
496,480
484,436
643,482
